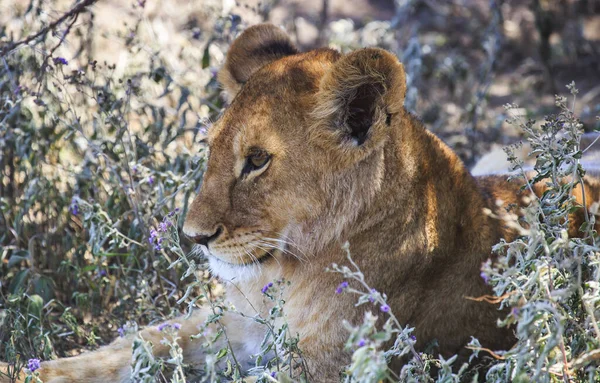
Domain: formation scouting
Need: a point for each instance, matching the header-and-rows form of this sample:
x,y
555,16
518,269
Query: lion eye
x,y
255,161
259,160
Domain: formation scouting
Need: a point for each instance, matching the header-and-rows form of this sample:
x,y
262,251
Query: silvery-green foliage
x,y
548,281
145,367
279,358
175,359
381,338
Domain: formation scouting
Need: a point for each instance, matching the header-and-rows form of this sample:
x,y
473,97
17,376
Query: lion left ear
x,y
257,46
360,95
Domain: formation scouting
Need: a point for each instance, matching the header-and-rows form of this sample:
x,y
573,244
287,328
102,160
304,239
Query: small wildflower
x,y
342,286
485,278
413,338
33,364
158,247
361,343
372,295
273,374
163,326
515,311
102,273
60,61
153,235
266,287
151,180
74,207
163,226
385,308
121,332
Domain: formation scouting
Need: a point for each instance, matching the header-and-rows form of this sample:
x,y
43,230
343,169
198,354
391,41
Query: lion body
x,y
346,163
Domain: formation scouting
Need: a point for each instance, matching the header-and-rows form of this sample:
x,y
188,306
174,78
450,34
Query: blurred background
x,y
465,58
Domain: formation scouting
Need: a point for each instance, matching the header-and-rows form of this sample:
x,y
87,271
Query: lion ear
x,y
359,96
254,48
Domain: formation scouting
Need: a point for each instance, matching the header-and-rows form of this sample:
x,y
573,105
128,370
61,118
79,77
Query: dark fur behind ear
x,y
359,96
254,48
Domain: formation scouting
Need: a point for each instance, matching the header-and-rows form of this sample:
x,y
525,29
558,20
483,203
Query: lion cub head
x,y
299,151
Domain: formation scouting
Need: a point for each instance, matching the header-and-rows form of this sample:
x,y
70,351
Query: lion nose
x,y
204,239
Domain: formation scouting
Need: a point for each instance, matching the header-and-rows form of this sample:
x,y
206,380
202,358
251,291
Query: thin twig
x,y
76,10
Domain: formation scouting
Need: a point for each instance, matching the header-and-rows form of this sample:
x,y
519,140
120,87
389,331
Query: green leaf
x,y
206,57
222,352
35,306
19,282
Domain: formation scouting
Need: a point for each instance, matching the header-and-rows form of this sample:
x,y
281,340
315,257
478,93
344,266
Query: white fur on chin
x,y
234,273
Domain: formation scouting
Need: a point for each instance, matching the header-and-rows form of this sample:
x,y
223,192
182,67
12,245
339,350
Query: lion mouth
x,y
236,269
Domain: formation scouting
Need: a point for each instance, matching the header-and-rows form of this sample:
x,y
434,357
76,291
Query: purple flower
x,y
485,278
102,273
515,311
74,207
361,343
341,287
121,331
153,235
33,364
273,374
266,287
163,226
372,295
163,326
60,61
385,308
158,247
151,180
413,338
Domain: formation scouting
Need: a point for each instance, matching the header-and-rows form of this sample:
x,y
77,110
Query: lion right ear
x,y
255,47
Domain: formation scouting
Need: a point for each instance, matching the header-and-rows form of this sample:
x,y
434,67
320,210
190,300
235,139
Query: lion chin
x,y
239,270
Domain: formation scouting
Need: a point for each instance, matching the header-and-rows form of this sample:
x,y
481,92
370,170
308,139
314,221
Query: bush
x,y
100,161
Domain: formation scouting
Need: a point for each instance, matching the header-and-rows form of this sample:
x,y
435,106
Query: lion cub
x,y
316,149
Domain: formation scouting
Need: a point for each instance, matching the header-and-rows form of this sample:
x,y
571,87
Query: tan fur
x,y
412,213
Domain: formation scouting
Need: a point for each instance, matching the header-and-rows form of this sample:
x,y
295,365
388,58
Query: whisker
x,y
254,260
257,244
283,250
288,240
284,242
